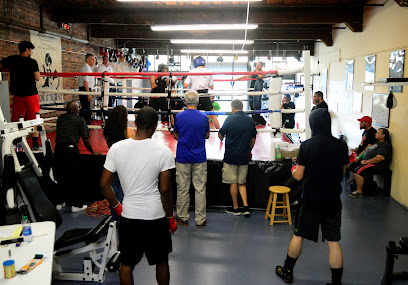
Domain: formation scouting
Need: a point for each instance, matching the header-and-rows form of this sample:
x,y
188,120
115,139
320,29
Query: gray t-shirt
x,y
379,148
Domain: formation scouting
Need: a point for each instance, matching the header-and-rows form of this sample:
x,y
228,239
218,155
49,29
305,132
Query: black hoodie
x,y
324,158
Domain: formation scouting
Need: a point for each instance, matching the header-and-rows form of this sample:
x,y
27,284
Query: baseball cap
x,y
365,119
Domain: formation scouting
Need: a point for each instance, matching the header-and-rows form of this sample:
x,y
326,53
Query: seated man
x,y
376,158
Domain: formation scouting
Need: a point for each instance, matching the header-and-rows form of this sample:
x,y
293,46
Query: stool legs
x,y
275,196
268,208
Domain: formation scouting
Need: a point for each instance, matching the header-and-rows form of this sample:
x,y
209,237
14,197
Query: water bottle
x,y
278,154
27,234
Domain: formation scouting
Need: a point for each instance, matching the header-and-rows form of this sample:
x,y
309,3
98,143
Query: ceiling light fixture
x,y
208,42
205,27
212,51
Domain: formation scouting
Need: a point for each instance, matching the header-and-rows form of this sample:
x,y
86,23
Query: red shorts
x,y
25,106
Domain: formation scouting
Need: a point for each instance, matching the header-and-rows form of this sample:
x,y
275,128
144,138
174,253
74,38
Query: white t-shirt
x,y
199,82
104,68
89,79
138,164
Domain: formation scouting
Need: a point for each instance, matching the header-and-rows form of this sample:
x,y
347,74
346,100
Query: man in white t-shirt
x,y
201,84
104,67
144,228
86,83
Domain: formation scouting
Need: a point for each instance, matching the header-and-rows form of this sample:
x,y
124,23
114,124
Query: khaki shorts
x,y
232,174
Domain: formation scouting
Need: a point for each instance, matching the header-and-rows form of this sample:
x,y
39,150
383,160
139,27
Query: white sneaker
x,y
78,209
60,206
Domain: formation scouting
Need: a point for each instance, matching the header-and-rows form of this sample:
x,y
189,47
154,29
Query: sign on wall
x,y
349,74
47,53
370,71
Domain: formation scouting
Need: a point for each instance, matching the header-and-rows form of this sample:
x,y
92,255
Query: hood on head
x,y
320,122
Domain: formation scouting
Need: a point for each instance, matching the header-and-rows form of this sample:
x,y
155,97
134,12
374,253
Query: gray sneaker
x,y
355,194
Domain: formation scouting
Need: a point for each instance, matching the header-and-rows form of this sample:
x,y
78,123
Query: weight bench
x,y
101,244
393,250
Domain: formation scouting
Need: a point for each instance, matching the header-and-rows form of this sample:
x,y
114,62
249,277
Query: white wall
x,y
384,31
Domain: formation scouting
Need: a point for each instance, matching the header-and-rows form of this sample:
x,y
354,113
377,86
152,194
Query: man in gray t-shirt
x,y
376,158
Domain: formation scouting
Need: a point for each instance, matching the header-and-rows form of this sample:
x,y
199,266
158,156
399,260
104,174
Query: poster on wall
x,y
397,68
380,113
370,71
47,53
349,74
324,81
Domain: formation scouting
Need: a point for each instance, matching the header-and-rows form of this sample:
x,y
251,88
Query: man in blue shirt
x,y
241,135
191,129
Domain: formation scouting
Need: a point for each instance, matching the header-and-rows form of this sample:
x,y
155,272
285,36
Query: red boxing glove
x,y
172,224
118,209
293,168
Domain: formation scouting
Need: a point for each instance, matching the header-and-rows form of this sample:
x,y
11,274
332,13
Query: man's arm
x,y
88,145
299,172
378,158
106,187
166,192
87,89
220,136
212,87
185,85
153,82
175,136
253,140
37,76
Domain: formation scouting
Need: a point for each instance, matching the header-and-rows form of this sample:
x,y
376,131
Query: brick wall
x,y
27,12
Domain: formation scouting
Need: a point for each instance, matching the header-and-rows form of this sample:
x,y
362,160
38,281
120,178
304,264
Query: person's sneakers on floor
x,y
231,210
181,222
37,149
284,273
245,211
355,194
60,206
202,225
78,209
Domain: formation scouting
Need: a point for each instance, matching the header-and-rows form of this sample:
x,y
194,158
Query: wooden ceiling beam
x,y
204,15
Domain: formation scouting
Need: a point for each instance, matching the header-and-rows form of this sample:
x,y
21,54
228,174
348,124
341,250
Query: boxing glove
x,y
293,168
172,224
118,209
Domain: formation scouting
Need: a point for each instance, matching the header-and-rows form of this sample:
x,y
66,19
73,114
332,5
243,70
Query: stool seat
x,y
279,189
284,205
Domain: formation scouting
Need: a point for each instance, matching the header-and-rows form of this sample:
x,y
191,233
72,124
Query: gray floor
x,y
234,250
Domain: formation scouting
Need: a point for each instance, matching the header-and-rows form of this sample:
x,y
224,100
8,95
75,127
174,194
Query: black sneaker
x,y
202,225
245,211
284,273
181,222
231,210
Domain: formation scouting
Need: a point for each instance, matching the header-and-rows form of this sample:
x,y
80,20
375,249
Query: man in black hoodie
x,y
322,161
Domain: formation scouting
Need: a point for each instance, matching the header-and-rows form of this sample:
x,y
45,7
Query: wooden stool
x,y
275,190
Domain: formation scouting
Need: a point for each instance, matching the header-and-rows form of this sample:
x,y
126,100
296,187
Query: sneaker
x,y
284,273
231,210
355,194
181,222
202,225
245,211
60,206
36,149
78,209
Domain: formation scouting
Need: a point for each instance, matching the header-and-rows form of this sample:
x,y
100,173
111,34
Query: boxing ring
x,y
263,172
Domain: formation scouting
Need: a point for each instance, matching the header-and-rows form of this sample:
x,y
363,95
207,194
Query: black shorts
x,y
308,222
366,169
176,103
158,104
205,104
149,237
